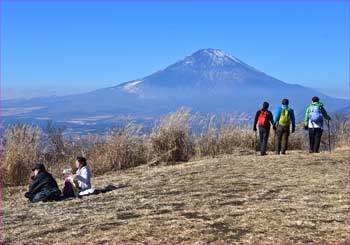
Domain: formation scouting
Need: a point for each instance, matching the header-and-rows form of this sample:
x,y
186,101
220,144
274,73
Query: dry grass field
x,y
237,198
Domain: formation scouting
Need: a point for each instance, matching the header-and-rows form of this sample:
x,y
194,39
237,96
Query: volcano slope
x,y
296,198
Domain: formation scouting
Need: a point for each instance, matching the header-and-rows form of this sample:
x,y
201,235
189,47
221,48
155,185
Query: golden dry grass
x,y
20,147
179,136
296,198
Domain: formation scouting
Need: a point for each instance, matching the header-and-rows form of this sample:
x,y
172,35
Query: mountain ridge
x,y
207,81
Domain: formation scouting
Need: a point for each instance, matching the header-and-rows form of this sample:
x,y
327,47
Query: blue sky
x,y
62,47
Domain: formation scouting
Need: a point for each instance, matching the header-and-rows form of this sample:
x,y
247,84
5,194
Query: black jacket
x,y
269,114
42,181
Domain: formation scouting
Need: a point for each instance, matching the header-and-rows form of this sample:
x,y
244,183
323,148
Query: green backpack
x,y
284,118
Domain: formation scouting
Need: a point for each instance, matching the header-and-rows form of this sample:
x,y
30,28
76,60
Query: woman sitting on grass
x,y
79,184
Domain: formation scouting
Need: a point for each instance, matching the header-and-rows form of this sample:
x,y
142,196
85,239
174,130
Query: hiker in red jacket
x,y
264,119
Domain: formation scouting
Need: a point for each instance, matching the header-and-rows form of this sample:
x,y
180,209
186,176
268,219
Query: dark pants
x,y
44,195
282,134
315,135
264,136
68,190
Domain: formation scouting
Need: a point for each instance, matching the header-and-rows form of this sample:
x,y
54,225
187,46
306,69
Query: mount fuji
x,y
208,81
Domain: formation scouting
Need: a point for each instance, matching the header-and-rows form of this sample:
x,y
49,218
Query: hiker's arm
x,y
33,186
307,114
292,117
36,185
325,114
83,178
270,117
256,120
277,116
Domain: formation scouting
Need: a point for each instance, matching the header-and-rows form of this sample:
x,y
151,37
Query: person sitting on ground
x,y
43,187
284,117
313,121
264,119
79,184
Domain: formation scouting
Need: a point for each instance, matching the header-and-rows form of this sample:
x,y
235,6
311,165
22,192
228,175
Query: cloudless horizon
x,y
67,47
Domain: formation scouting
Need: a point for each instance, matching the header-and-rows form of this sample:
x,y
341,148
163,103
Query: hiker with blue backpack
x,y
264,119
313,121
284,118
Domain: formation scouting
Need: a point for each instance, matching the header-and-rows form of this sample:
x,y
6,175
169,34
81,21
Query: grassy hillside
x,y
297,198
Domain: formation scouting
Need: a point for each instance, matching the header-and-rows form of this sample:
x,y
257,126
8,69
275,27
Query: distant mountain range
x,y
208,81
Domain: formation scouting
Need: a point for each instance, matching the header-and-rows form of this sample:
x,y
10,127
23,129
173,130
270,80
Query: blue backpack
x,y
316,115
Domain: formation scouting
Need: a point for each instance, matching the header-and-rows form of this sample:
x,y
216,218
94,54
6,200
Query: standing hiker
x,y
313,121
264,119
284,117
43,187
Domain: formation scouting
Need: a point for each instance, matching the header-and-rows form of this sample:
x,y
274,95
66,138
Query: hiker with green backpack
x,y
264,119
284,117
313,121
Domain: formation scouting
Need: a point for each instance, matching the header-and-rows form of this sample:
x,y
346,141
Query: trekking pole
x,y
274,139
256,141
329,136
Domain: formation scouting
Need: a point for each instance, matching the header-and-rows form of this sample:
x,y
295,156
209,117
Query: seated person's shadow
x,y
97,191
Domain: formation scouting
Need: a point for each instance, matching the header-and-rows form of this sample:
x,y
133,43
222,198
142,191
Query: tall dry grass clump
x,y
21,148
223,136
340,129
207,142
120,149
56,146
59,151
232,138
170,141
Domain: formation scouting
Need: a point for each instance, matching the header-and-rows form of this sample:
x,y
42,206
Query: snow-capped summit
x,y
210,57
215,54
209,69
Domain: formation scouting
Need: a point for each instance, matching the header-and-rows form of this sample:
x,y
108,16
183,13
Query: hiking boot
x,y
262,153
283,153
310,151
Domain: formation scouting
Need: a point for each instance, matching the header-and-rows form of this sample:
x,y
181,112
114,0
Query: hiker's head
x,y
39,167
80,162
285,102
265,105
315,99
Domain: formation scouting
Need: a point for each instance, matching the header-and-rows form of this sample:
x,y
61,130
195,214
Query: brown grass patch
x,y
170,141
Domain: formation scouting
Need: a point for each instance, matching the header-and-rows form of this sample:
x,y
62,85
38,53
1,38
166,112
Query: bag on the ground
x,y
284,118
316,114
263,119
